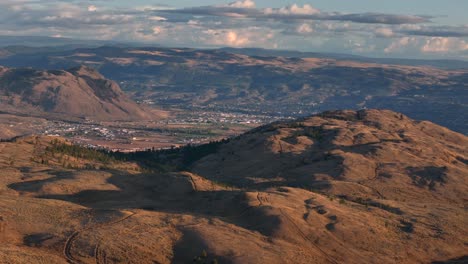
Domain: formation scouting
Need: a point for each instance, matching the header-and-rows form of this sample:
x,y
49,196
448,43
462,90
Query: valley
x,y
229,81
233,132
215,157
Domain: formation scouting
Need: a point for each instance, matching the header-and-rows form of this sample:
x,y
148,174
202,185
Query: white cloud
x,y
293,27
193,22
92,8
148,8
227,38
304,29
293,10
444,45
157,30
157,18
242,4
384,32
400,45
234,39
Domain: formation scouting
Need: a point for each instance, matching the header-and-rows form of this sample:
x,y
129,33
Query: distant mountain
x,y
439,63
229,81
79,92
42,41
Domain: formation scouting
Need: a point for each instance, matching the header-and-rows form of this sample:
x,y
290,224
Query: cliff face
x,y
78,92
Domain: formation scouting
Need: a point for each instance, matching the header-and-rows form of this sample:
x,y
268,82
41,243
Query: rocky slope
x,y
79,92
340,187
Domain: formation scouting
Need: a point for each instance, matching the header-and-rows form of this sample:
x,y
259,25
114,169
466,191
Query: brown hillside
x,y
79,92
341,187
371,153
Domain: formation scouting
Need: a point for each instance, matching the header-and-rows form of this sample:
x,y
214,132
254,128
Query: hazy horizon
x,y
420,29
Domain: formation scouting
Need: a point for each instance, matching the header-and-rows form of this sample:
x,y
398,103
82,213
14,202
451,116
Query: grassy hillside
x,y
340,187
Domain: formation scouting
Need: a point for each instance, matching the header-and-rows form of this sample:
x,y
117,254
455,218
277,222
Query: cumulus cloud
x,y
401,44
291,10
232,38
92,8
432,45
239,24
242,4
304,29
444,45
384,32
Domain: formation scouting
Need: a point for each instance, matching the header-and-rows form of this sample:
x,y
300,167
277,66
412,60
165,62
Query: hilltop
x,y
371,186
80,92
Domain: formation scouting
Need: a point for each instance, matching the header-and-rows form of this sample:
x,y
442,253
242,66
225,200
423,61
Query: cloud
x,y
384,32
246,9
291,10
432,45
304,29
232,38
438,31
242,4
247,37
400,45
444,45
92,8
157,18
238,24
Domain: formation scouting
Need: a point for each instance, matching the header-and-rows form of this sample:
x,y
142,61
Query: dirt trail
x,y
302,233
194,184
99,255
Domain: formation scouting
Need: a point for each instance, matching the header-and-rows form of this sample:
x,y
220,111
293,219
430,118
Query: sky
x,y
376,28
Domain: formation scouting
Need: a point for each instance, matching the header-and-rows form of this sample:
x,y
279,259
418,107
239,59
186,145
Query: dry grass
x,y
245,204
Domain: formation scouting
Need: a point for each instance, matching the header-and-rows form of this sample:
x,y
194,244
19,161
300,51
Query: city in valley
x,y
179,128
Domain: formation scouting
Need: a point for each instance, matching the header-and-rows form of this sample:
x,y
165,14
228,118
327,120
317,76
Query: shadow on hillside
x,y
252,166
192,248
460,260
36,185
428,176
169,193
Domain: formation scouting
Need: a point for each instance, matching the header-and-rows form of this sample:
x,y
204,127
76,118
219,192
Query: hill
x,y
275,83
79,92
372,153
339,187
437,63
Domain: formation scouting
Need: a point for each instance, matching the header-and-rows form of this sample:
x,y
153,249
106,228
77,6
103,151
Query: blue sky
x,y
382,28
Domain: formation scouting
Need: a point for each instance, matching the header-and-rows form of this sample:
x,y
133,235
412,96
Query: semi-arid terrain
x,y
233,132
82,105
368,186
158,155
267,83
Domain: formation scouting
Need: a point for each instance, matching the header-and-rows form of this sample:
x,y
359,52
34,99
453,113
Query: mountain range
x,y
228,80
